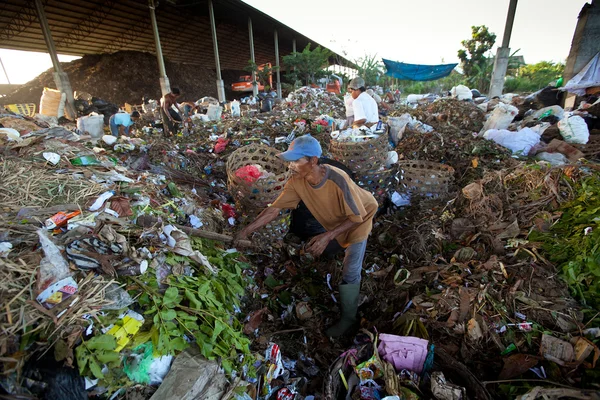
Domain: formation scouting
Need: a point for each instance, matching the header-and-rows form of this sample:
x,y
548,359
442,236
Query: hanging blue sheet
x,y
417,72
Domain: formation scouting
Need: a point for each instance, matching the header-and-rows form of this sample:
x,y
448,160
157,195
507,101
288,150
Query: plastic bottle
x,y
85,160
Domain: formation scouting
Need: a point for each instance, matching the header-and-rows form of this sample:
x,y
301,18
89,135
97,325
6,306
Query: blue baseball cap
x,y
304,146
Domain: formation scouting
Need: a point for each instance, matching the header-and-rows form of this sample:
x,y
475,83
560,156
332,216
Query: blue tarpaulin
x,y
417,72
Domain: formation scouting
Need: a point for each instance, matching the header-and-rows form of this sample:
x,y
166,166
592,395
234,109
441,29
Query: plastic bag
x,y
248,173
461,92
501,117
518,142
574,129
142,367
235,108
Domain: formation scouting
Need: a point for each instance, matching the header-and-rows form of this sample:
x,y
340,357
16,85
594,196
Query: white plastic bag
x,y
92,124
214,112
461,92
574,129
501,117
414,98
235,108
519,142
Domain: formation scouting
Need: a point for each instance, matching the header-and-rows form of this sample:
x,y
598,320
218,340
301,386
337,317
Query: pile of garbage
x,y
119,276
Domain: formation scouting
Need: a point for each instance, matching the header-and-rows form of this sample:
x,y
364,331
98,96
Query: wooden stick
x,y
148,221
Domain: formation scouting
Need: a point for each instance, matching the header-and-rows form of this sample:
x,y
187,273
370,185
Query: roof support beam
x,y
277,64
165,86
251,37
60,77
213,28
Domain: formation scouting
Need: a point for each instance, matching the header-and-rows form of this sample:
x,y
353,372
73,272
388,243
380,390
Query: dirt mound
x,y
121,77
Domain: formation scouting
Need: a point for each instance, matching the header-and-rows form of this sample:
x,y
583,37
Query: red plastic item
x,y
228,211
248,173
221,145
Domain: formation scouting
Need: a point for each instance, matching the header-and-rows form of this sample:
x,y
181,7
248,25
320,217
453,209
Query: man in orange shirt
x,y
343,208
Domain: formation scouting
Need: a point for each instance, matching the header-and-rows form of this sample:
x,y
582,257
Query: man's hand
x,y
317,245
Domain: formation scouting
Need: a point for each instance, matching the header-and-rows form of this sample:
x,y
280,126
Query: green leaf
x,y
82,355
195,303
168,315
219,327
272,282
102,342
95,368
170,296
191,325
207,350
107,356
179,344
170,325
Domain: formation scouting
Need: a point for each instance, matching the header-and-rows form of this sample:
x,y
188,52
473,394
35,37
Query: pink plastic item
x,y
403,352
248,173
221,144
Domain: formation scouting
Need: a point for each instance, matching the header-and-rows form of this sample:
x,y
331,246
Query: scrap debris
x,y
118,263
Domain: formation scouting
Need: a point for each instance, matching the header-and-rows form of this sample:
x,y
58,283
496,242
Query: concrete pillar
x,y
585,44
294,45
503,54
277,65
213,28
60,77
5,73
251,36
165,85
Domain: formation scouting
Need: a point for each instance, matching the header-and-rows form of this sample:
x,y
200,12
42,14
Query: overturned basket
x,y
424,177
591,149
253,197
362,158
378,183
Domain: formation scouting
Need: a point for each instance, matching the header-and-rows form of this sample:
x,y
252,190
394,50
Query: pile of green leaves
x,y
200,308
573,247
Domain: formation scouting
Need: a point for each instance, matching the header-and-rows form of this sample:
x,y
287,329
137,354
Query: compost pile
x,y
121,77
486,270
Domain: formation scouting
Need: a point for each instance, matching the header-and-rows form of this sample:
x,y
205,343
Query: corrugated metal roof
x,y
106,26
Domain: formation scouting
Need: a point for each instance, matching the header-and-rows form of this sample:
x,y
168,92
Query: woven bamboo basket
x,y
425,177
361,157
592,148
253,197
378,183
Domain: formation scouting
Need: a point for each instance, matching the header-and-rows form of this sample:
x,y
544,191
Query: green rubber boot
x,y
349,304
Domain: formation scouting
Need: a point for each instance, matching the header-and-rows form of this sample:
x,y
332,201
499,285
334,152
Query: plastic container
x,y
214,112
235,109
92,124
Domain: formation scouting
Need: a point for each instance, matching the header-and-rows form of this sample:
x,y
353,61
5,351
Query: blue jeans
x,y
353,261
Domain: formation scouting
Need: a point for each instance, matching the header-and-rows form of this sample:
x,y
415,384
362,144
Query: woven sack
x,y
253,197
424,177
361,157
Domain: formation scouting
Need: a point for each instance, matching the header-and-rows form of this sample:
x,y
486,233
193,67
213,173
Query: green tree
x,y
472,57
307,66
532,77
262,73
370,68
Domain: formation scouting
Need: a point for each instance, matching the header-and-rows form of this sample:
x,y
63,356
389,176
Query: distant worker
x,y
377,99
169,112
348,100
121,122
365,107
